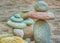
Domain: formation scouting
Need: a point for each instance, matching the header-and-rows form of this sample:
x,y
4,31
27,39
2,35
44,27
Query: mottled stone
x,y
42,32
16,25
19,32
41,6
29,21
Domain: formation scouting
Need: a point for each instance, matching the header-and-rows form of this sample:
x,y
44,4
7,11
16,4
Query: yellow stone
x,y
13,39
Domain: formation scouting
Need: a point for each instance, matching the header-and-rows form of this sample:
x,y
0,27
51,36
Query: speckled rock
x,y
18,32
17,21
29,21
24,33
42,32
41,6
16,25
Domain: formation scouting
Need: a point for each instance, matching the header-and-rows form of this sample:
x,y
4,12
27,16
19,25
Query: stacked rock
x,y
41,28
10,38
42,32
41,6
19,23
16,21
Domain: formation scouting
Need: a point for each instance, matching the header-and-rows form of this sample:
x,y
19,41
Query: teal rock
x,y
42,32
41,6
29,21
16,19
17,15
16,25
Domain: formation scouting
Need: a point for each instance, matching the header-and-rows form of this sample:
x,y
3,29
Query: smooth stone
x,y
17,15
16,25
41,6
29,21
24,15
19,32
16,19
42,32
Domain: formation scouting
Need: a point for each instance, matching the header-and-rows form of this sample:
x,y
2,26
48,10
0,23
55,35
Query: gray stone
x,y
41,6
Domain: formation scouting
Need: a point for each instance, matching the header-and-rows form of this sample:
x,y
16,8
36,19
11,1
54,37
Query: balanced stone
x,y
18,32
42,32
41,6
17,21
13,18
17,15
29,21
16,25
24,15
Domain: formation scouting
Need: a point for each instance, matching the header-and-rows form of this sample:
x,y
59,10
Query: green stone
x,y
42,32
41,6
16,25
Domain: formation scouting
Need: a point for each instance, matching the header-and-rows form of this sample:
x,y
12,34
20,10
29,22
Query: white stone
x,y
18,32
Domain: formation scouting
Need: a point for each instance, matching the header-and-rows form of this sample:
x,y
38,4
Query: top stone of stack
x,y
41,6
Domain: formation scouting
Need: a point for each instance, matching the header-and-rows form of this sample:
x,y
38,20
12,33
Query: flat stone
x,y
16,25
16,19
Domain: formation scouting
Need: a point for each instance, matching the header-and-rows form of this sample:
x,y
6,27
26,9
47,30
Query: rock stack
x,y
19,24
42,32
16,21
